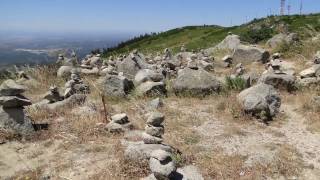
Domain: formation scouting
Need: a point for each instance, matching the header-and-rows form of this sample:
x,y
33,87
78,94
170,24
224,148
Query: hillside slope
x,y
195,37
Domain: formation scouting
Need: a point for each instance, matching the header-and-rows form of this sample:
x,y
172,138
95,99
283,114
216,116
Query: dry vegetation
x,y
78,135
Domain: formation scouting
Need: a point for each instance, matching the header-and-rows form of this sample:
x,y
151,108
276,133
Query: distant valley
x,y
40,48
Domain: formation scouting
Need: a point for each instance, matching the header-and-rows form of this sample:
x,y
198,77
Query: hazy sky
x,y
134,15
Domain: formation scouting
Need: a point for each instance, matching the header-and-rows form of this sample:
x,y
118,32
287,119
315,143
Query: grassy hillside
x,y
195,37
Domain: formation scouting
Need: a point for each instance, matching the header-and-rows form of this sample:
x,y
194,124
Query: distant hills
x,y
195,37
34,48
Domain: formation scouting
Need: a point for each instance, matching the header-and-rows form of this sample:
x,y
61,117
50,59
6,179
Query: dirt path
x,y
306,142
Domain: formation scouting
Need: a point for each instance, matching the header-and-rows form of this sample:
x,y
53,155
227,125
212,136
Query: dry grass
x,y
311,111
182,115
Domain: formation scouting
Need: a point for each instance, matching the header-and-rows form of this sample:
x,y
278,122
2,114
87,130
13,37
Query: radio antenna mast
x,y
282,6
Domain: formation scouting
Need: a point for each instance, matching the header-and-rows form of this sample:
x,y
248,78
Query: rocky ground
x,y
149,120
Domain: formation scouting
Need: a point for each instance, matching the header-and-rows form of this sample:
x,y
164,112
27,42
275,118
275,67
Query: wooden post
x,y
104,108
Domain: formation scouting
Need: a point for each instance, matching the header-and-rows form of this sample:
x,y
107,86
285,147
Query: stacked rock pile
x,y
154,129
12,103
119,123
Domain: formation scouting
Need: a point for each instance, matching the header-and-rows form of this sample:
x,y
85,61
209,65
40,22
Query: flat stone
x,y
155,119
11,88
139,151
154,131
148,139
14,101
188,173
120,118
118,128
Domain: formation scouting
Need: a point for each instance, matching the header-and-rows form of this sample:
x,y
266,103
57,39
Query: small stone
x,y
155,119
148,139
156,103
114,128
120,118
154,131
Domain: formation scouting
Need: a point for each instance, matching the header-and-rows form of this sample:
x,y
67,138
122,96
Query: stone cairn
x,y
10,95
119,123
11,108
154,128
193,61
239,70
274,65
227,60
53,95
75,85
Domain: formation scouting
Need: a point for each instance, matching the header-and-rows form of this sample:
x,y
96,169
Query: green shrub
x,y
237,83
257,35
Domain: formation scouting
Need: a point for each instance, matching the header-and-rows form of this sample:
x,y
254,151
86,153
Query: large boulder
x,y
150,88
248,54
230,42
261,100
278,39
314,71
131,65
115,86
196,82
279,81
139,151
64,71
14,119
145,75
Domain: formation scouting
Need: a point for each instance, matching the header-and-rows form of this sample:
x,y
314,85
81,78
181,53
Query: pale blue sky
x,y
134,15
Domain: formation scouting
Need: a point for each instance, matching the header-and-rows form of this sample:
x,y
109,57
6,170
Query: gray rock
x,y
76,99
14,101
148,139
188,173
206,66
196,82
279,81
145,75
161,164
230,42
154,131
15,119
11,88
155,104
118,128
278,39
314,71
132,64
151,89
53,95
261,100
155,119
305,82
64,71
138,151
116,86
120,118
249,54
